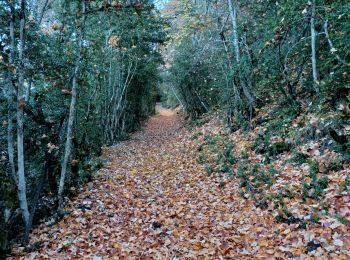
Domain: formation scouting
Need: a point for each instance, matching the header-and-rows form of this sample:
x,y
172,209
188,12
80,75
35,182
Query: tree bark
x,y
233,13
245,86
313,45
71,119
10,143
28,90
176,96
22,196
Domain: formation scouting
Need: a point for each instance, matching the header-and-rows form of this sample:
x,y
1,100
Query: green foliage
x,y
209,170
315,188
196,135
275,50
202,158
345,150
117,88
123,136
284,193
279,147
254,179
121,73
285,216
221,150
334,166
299,158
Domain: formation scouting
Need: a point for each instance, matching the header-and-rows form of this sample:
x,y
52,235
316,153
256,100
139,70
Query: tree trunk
x,y
244,86
176,96
22,196
10,144
28,90
313,45
233,13
71,118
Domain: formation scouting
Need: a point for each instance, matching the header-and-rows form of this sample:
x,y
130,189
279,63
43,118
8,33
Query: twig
x,y
331,44
42,12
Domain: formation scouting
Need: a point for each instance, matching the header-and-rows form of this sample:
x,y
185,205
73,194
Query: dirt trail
x,y
164,111
153,200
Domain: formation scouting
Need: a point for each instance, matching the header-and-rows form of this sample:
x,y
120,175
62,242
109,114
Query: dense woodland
x,y
76,75
79,75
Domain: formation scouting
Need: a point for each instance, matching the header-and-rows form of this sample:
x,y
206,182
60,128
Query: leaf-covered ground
x,y
153,200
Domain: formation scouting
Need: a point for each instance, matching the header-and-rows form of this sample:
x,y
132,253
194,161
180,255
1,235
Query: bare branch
x,y
42,12
333,50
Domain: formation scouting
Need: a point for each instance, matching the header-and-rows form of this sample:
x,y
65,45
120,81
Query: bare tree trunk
x,y
28,90
71,118
10,144
233,13
176,96
245,87
22,196
34,205
313,45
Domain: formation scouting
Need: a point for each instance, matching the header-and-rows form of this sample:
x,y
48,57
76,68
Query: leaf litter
x,y
153,200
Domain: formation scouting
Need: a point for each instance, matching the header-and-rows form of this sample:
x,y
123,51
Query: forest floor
x,y
154,200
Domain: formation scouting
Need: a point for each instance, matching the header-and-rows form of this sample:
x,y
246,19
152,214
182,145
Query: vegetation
x,y
279,60
81,74
276,74
264,87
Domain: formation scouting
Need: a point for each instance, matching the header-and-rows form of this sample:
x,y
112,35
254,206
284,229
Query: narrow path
x,y
153,200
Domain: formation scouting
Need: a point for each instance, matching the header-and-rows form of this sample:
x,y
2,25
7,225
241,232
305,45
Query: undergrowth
x,y
279,137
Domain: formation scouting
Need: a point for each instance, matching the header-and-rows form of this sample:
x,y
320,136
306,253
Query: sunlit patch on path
x,y
164,111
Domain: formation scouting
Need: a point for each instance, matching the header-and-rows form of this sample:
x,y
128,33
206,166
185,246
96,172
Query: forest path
x,y
154,200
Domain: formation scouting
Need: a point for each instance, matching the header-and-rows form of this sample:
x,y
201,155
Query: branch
x,y
331,44
42,12
295,45
107,7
